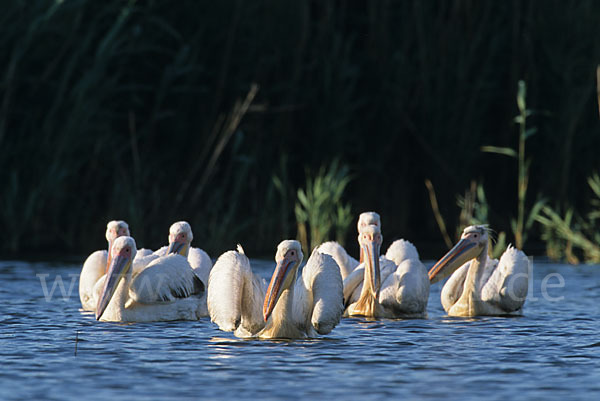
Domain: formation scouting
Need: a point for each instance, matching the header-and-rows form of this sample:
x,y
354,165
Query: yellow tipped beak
x,y
459,254
275,289
118,267
370,251
179,247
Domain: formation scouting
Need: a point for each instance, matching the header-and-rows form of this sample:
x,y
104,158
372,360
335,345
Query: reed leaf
x,y
500,150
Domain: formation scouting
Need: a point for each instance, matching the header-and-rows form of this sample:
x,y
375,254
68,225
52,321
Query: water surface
x,y
51,350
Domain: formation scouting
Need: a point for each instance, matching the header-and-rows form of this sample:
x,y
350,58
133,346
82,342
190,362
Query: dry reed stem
x,y
437,214
598,87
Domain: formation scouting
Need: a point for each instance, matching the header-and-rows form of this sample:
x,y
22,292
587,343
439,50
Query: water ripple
x,y
550,353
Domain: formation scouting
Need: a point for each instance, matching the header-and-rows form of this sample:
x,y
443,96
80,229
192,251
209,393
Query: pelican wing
x,y
165,279
93,268
406,291
143,252
507,285
162,251
141,261
97,292
453,288
354,282
201,263
401,250
318,296
346,263
235,294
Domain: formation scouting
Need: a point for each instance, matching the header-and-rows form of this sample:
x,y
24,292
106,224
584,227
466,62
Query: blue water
x,y
50,350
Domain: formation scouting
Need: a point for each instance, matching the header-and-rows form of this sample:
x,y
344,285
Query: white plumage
x,y
318,297
402,250
167,289
291,307
180,239
404,289
165,279
236,294
96,264
201,263
140,262
479,285
353,284
405,293
93,269
346,262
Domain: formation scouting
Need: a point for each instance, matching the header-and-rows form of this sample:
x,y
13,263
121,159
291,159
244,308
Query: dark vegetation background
x,y
127,110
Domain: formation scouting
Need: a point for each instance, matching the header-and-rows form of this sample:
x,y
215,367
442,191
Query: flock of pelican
x,y
180,282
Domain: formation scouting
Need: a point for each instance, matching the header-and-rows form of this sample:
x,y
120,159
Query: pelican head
x,y
368,219
288,257
473,242
180,238
123,250
370,240
115,229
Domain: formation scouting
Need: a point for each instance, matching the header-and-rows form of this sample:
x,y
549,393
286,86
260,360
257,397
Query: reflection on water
x,y
552,352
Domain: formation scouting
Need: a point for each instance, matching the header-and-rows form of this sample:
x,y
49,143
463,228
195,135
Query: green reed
x,y
320,212
152,112
525,218
564,233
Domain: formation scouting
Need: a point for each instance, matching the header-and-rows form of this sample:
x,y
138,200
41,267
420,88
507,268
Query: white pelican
x,y
381,289
96,264
167,289
482,286
180,239
290,307
346,262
